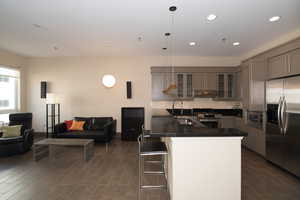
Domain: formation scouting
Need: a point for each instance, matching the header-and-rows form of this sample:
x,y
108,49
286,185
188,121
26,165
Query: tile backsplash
x,y
158,107
197,103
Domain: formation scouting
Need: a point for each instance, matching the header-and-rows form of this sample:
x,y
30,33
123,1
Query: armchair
x,y
22,143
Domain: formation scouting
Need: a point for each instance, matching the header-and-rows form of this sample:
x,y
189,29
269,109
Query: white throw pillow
x,y
11,131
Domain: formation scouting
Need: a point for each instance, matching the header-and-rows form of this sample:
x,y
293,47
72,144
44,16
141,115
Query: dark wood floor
x,y
264,181
114,176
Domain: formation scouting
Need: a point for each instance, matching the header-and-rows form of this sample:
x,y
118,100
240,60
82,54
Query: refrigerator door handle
x,y
282,115
285,118
279,114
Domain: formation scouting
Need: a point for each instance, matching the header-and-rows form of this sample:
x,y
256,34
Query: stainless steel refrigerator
x,y
283,123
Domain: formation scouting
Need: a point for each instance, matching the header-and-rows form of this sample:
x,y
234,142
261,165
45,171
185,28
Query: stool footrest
x,y
153,187
154,172
154,161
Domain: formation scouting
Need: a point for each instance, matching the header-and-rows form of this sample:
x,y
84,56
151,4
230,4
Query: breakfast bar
x,y
202,163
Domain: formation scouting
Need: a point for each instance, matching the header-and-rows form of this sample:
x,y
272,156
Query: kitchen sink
x,y
189,121
184,121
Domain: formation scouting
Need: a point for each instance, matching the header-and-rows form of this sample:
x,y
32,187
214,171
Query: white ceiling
x,y
112,27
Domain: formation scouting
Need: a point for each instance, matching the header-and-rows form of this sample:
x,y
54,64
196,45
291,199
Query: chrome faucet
x,y
173,107
181,107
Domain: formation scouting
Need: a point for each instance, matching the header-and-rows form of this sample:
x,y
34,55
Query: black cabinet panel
x,y
132,121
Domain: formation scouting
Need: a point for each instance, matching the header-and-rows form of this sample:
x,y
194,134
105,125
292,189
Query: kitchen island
x,y
203,163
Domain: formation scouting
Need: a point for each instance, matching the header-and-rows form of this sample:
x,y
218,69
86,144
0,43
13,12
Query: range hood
x,y
203,93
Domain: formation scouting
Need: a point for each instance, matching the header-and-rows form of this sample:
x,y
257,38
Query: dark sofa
x,y
101,129
22,143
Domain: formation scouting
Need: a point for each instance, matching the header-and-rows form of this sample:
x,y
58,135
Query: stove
x,y
210,120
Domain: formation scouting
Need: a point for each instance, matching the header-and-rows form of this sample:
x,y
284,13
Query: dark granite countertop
x,y
167,126
195,111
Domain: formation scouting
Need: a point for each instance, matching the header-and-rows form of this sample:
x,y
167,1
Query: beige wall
x,y
11,60
8,59
77,80
273,44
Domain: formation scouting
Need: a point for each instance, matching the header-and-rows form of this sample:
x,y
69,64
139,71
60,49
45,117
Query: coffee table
x,y
46,146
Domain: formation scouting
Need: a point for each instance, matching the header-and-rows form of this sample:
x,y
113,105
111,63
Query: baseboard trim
x,y
40,134
260,155
43,134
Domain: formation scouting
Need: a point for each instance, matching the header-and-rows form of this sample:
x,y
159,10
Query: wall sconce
x,y
108,80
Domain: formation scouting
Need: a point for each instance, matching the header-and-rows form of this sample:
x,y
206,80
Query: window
x,y
9,90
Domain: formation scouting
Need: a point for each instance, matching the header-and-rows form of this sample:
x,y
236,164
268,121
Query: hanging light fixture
x,y
171,89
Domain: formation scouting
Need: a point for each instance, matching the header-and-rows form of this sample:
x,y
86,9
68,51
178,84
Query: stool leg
x,y
139,189
166,166
163,163
140,177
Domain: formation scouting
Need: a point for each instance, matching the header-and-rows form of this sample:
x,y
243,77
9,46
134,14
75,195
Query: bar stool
x,y
150,148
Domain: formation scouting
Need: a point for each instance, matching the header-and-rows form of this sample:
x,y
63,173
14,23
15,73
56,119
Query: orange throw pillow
x,y
77,126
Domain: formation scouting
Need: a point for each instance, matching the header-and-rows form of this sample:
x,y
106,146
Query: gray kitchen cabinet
x,y
253,77
184,83
226,85
284,65
278,66
199,81
226,122
294,62
260,146
238,88
205,81
245,85
255,140
239,123
230,92
257,85
160,81
211,81
249,140
221,85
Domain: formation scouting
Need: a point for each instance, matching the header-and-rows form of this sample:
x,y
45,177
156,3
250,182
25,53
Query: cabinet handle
x,y
287,57
289,63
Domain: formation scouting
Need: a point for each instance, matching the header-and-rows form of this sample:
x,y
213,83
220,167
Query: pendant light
x,y
171,89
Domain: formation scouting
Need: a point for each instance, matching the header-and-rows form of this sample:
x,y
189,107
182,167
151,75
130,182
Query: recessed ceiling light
x,y
236,44
274,18
36,25
211,17
172,8
107,43
224,40
192,43
39,26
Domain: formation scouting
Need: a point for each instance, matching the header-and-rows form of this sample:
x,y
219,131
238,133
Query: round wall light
x,y
108,80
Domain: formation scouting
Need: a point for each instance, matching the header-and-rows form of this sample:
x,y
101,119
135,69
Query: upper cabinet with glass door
x,y
226,86
184,83
193,82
